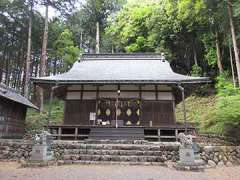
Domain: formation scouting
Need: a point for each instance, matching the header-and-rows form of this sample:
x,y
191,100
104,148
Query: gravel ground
x,y
12,171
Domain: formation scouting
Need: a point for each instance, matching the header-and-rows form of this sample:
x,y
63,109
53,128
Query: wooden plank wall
x,y
12,119
161,113
77,111
157,102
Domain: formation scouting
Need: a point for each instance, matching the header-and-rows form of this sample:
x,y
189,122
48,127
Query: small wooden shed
x,y
13,108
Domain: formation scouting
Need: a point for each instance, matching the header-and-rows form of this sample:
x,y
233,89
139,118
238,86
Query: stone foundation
x,y
135,152
217,140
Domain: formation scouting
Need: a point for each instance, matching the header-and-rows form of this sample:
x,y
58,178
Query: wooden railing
x,y
66,132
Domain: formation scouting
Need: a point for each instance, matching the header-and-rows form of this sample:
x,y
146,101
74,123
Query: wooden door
x,y
128,111
161,113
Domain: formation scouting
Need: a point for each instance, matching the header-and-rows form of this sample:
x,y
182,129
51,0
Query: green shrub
x,y
225,87
196,70
225,116
35,121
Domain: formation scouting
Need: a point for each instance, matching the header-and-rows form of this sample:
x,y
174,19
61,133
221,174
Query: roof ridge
x,y
123,56
136,53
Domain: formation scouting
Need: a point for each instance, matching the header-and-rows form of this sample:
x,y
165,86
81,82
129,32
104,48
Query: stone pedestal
x,y
186,155
187,160
41,152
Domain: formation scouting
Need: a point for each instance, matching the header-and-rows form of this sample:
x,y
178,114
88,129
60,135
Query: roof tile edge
x,y
122,56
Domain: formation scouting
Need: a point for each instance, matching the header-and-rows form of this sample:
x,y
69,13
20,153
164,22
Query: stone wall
x,y
217,140
163,152
221,155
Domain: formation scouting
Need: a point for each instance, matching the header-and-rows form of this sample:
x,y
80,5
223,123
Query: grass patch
x,y
212,114
197,107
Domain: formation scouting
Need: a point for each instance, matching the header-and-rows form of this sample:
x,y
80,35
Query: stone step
x,y
109,141
61,162
116,133
4,148
112,152
123,147
115,158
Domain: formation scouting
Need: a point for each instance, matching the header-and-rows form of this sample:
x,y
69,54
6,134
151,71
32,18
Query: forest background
x,y
198,38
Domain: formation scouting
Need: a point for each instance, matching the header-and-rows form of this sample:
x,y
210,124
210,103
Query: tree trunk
x,y
232,65
28,59
43,60
195,56
194,52
234,39
97,38
81,40
219,57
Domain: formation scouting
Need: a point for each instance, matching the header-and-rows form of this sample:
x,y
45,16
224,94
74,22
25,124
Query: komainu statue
x,y
185,140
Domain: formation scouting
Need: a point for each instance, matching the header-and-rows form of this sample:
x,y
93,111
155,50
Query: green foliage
x,y
196,70
225,117
36,121
216,113
196,107
65,48
225,87
83,22
190,12
211,56
143,27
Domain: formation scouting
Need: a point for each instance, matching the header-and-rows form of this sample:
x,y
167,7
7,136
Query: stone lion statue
x,y
185,140
43,138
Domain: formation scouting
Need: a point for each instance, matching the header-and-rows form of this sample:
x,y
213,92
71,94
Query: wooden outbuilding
x,y
13,108
120,96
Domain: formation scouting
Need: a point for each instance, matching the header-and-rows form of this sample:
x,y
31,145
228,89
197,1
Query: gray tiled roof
x,y
12,95
121,68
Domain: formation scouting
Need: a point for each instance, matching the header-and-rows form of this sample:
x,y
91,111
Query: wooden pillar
x,y
140,106
117,99
59,133
159,134
96,107
184,108
82,89
176,134
50,107
156,92
76,133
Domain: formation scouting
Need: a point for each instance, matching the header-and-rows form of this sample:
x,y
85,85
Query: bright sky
x,y
52,12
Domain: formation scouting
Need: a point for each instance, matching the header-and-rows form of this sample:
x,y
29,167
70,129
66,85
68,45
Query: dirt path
x,y
12,171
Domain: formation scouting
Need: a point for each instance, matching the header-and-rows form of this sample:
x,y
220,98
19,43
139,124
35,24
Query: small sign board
x,y
92,116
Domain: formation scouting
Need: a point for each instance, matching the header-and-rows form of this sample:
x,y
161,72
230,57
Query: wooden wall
x,y
161,113
77,112
12,119
157,102
145,92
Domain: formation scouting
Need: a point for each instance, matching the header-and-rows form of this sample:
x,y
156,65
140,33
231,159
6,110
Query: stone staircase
x,y
3,151
116,133
135,152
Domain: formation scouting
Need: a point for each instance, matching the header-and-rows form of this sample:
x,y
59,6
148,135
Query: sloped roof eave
x,y
11,95
121,69
59,82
